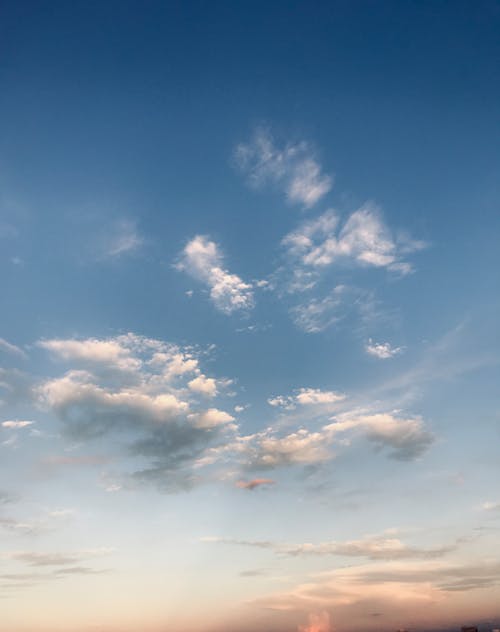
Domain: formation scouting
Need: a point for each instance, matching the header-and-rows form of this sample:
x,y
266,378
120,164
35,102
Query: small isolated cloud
x,y
203,260
8,347
292,168
306,397
16,425
120,238
255,483
491,505
382,350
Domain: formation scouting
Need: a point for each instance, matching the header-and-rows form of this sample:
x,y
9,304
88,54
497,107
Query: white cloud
x,y
204,385
292,168
363,240
382,350
202,259
306,397
16,424
211,418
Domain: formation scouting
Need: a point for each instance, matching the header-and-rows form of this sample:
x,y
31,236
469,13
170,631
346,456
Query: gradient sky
x,y
249,335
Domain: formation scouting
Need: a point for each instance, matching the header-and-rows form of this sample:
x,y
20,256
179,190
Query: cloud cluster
x,y
143,389
203,260
363,240
153,397
403,439
293,168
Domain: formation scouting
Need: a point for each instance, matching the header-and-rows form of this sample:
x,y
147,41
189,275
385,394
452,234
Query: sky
x,y
249,342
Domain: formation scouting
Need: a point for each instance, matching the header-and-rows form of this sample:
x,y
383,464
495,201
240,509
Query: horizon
x,y
249,344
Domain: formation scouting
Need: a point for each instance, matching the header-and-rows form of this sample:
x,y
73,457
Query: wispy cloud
x,y
203,260
120,238
292,167
363,240
378,547
255,483
10,348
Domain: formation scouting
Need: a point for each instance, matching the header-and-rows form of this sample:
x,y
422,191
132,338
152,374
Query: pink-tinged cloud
x,y
256,482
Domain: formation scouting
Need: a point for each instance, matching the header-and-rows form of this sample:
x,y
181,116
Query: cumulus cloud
x,y
306,397
203,260
203,385
405,438
382,350
143,389
293,168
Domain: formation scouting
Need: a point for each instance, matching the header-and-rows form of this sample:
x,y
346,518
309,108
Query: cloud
x,y
120,238
363,240
382,350
203,385
392,587
306,397
10,348
35,558
491,506
15,425
141,389
255,483
203,260
316,315
292,168
378,547
405,438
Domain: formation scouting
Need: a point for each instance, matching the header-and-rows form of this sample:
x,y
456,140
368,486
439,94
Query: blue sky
x,y
249,335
